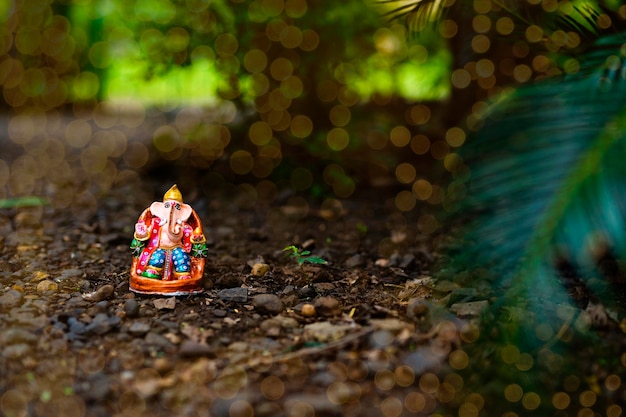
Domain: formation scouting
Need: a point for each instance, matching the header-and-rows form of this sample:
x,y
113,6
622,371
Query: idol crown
x,y
173,194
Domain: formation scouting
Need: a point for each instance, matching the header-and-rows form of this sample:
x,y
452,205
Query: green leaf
x,y
547,182
316,260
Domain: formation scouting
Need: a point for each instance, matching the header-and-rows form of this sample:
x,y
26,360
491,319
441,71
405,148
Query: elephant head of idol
x,y
172,212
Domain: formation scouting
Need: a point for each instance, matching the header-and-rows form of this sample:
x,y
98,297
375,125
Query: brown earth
x,y
297,340
368,334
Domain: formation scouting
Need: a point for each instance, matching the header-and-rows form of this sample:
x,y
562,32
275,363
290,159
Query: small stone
x,y
325,331
307,292
417,309
325,287
260,269
47,285
327,306
308,310
102,293
139,328
462,295
191,349
101,306
157,340
71,273
382,262
163,365
407,261
97,387
76,327
391,325
19,350
11,299
131,308
238,295
471,309
16,335
273,326
268,303
290,300
354,261
39,276
102,324
165,303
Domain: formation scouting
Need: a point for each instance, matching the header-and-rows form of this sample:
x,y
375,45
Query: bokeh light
x,y
263,96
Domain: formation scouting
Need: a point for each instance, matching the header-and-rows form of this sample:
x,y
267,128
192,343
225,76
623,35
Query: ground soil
x,y
370,333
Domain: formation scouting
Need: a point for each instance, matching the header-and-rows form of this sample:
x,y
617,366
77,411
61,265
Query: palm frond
x,y
419,14
549,180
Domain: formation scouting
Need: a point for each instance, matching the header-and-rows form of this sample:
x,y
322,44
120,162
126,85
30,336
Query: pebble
x,y
139,328
325,331
102,293
327,306
102,324
76,327
131,308
16,335
96,387
39,276
325,287
462,295
165,303
308,310
268,303
157,340
71,273
274,326
471,309
237,295
191,349
354,261
307,292
11,299
417,309
16,351
260,269
382,262
47,285
319,404
391,325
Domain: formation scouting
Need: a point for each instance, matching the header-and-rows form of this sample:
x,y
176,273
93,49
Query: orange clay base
x,y
194,285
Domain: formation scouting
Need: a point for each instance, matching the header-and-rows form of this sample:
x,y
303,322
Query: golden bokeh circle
x,y
531,401
338,139
405,173
405,201
415,402
561,400
400,136
513,393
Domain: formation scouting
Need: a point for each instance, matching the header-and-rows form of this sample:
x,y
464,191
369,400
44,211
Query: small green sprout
x,y
303,256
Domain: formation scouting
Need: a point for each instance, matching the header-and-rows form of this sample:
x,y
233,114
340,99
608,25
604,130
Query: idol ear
x,y
158,209
185,212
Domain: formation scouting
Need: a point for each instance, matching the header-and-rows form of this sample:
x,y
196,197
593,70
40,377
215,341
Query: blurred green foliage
x,y
269,94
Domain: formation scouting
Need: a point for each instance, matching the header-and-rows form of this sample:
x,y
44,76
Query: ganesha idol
x,y
169,248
